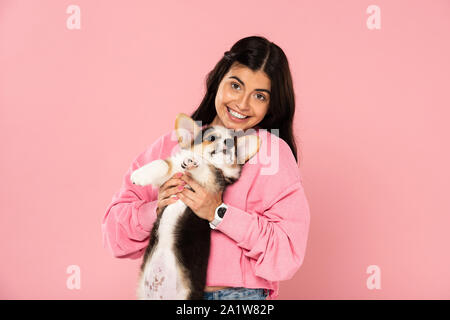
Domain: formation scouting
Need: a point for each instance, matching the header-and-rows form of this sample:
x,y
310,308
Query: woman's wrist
x,y
213,211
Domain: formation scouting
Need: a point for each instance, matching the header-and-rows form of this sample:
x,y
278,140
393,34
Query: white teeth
x,y
237,115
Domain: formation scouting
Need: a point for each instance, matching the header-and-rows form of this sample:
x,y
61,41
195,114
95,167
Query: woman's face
x,y
242,99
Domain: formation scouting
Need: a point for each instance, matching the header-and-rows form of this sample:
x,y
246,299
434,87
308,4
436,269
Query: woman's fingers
x,y
170,183
168,201
188,179
191,195
173,190
167,189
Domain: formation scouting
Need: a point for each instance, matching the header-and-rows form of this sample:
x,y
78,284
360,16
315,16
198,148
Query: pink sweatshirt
x,y
262,237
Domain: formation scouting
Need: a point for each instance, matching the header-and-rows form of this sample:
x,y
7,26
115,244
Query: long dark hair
x,y
257,53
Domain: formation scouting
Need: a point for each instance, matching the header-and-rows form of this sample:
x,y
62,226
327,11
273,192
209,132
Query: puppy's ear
x,y
186,130
247,147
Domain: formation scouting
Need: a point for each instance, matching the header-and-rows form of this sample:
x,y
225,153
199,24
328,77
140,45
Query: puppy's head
x,y
221,146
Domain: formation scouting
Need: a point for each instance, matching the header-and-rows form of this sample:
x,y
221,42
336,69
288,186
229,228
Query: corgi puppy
x,y
175,262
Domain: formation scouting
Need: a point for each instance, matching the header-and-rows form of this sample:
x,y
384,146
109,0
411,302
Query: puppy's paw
x,y
189,163
140,177
151,173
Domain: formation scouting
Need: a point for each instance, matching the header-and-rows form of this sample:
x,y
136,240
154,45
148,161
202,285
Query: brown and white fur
x,y
175,262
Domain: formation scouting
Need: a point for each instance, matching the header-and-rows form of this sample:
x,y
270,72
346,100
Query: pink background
x,y
76,107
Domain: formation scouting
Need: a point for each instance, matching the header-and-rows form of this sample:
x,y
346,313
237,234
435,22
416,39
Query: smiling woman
x,y
259,232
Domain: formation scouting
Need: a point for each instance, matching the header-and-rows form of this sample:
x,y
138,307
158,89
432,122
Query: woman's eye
x,y
234,85
260,97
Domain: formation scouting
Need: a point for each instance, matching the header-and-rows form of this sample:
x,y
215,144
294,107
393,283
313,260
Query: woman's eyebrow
x,y
241,82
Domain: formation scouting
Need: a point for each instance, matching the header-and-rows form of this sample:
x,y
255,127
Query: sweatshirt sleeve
x,y
275,239
130,216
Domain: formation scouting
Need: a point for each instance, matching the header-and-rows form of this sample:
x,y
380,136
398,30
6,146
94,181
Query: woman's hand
x,y
200,200
172,186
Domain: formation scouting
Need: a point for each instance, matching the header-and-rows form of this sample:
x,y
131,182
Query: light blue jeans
x,y
237,294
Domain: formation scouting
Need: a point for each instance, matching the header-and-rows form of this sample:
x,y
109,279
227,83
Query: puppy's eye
x,y
211,138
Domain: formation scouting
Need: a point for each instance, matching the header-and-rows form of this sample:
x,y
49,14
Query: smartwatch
x,y
218,215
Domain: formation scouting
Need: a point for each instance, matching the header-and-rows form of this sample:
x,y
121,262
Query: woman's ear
x,y
186,130
247,147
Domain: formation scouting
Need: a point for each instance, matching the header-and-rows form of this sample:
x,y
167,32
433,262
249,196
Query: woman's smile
x,y
236,116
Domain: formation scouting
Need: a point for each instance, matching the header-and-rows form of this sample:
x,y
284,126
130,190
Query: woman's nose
x,y
243,103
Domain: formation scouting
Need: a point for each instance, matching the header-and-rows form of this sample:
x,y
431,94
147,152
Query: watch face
x,y
221,212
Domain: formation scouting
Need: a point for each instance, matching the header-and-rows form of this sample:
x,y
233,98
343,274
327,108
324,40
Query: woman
x,y
261,238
